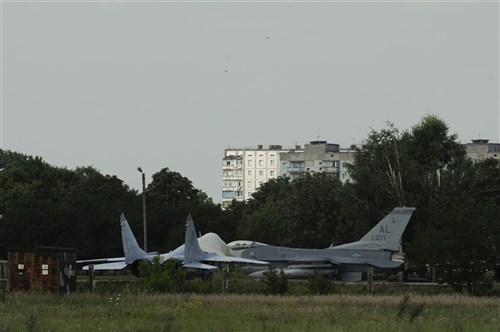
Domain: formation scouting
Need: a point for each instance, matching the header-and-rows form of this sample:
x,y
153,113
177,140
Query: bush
x,y
484,286
276,283
163,277
320,285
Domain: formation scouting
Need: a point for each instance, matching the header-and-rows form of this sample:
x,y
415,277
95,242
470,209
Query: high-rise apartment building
x,y
481,149
244,170
316,157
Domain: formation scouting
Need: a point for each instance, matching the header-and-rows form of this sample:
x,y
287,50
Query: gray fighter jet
x,y
197,255
379,248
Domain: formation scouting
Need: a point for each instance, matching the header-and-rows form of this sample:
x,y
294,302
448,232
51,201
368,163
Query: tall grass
x,y
190,312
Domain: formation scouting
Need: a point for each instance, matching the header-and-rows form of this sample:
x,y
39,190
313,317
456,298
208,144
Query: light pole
x,y
144,209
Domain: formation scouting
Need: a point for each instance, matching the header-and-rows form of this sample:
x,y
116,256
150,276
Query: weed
x,y
416,311
403,306
32,320
168,322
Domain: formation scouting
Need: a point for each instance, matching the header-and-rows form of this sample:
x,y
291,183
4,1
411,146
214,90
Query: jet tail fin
x,y
131,248
193,252
386,234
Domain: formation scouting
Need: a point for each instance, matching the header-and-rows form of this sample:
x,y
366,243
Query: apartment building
x,y
481,149
244,170
316,157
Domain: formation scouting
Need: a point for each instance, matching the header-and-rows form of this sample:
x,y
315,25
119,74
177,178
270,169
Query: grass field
x,y
121,303
187,312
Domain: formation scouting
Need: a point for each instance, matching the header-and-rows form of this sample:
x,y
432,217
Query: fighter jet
x,y
196,255
379,248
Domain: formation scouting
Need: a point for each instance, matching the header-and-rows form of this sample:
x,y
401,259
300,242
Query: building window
x,y
271,173
227,194
261,173
249,163
271,162
297,164
249,172
261,162
328,163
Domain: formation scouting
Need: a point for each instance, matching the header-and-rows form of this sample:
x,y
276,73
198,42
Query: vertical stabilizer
x,y
131,248
386,234
192,252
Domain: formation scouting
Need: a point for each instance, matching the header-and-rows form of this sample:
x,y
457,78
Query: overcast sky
x,y
118,85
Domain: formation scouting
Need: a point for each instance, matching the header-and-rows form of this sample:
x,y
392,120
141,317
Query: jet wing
x,y
310,266
311,259
229,259
107,266
385,264
382,264
100,260
197,265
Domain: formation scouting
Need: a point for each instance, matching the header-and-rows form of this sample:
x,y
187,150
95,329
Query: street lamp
x,y
144,209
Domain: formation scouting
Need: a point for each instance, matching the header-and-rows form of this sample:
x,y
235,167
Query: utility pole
x,y
144,209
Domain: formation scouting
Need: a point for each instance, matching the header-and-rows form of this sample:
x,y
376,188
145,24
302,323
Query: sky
x,y
156,84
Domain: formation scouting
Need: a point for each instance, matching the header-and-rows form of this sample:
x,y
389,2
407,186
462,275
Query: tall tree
x,y
46,205
170,198
301,213
259,217
311,213
379,178
455,224
462,234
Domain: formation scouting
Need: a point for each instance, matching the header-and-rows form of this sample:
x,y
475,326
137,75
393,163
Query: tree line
x,y
456,225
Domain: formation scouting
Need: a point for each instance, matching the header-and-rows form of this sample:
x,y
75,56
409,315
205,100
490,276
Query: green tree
x,y
50,206
170,198
462,234
263,225
456,222
172,187
300,213
260,217
378,171
310,214
378,184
